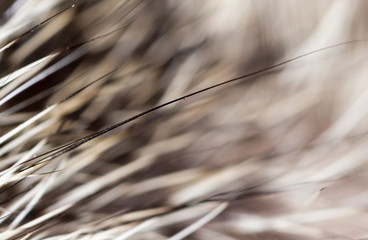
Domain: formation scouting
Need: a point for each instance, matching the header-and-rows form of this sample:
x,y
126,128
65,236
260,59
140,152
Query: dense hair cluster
x,y
169,119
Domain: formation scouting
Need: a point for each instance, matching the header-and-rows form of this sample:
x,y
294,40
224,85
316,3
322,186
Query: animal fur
x,y
278,155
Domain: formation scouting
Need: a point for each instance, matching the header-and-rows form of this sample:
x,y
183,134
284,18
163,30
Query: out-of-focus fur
x,y
280,155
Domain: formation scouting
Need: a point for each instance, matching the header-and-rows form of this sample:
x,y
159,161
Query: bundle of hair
x,y
169,119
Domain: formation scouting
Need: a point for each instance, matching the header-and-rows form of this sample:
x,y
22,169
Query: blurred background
x,y
279,155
